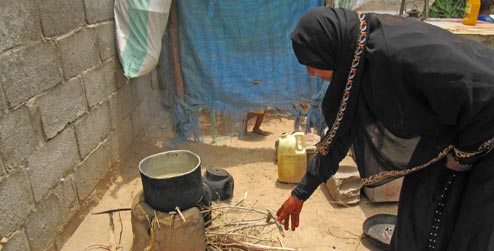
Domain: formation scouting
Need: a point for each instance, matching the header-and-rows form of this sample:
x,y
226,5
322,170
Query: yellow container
x,y
472,9
292,157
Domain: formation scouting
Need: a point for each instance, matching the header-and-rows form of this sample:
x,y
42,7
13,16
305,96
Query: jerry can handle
x,y
300,139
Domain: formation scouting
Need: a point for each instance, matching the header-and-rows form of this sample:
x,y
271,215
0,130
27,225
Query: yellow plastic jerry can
x,y
292,157
472,9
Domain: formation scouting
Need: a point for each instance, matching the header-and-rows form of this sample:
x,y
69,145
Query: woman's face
x,y
325,75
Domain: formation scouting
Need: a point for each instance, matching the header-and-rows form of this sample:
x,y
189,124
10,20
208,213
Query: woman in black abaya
x,y
411,100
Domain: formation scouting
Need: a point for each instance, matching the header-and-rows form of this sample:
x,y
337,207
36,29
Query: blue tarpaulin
x,y
236,56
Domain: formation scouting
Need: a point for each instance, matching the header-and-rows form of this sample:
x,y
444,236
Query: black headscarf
x,y
326,39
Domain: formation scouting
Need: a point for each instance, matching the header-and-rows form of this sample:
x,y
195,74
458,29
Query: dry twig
x,y
241,227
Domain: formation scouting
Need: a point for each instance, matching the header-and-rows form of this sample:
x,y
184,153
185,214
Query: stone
x,y
49,164
20,72
344,187
61,106
93,128
61,16
16,201
389,192
173,233
485,40
79,52
19,23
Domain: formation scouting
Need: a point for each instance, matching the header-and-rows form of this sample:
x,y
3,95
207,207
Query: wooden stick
x,y
113,210
242,200
212,234
248,226
281,242
180,213
240,208
177,69
113,246
251,246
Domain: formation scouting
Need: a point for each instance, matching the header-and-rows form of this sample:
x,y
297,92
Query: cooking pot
x,y
220,183
379,230
172,179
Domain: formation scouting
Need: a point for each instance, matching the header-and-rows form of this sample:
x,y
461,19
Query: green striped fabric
x,y
139,27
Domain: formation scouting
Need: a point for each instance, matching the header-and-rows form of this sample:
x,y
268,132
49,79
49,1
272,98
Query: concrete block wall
x,y
67,114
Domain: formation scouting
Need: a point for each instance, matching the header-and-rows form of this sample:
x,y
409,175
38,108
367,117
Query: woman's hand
x,y
454,165
290,208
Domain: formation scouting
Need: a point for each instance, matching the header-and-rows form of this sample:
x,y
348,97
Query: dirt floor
x,y
324,225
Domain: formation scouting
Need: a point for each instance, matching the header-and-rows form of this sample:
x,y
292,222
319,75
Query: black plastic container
x,y
220,182
172,179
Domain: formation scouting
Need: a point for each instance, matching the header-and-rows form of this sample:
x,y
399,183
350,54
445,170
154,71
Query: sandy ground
x,y
250,160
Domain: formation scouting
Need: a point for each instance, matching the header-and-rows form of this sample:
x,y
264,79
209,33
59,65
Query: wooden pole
x,y
177,69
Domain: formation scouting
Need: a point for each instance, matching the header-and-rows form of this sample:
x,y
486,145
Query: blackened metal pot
x,y
172,179
220,183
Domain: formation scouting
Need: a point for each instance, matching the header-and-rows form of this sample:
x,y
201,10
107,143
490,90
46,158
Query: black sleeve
x,y
322,167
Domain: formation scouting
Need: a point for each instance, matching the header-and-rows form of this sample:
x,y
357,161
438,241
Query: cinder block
x,y
106,41
20,72
124,136
17,242
19,23
159,115
61,106
344,187
79,52
61,16
154,79
93,128
3,172
43,226
389,192
142,88
16,201
140,118
49,164
119,74
18,138
98,10
100,83
67,198
90,172
4,108
121,104
113,143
